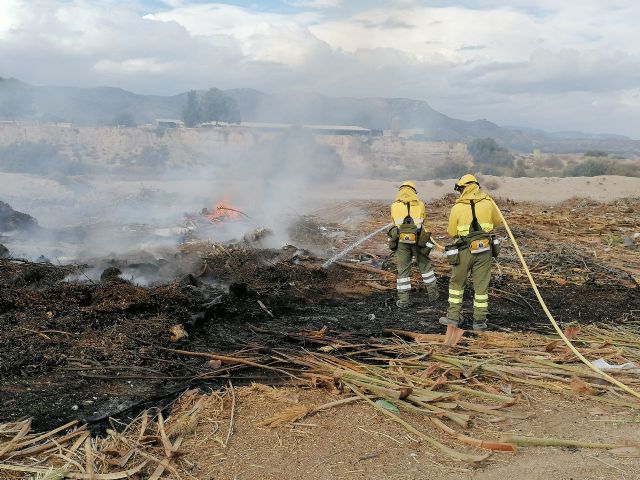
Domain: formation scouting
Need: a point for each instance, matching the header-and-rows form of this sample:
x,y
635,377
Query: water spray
x,y
341,254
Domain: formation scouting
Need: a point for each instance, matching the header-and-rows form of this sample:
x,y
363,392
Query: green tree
x,y
487,151
217,106
191,110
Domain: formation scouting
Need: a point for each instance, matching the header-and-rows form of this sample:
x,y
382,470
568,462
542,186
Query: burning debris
x,y
223,212
223,221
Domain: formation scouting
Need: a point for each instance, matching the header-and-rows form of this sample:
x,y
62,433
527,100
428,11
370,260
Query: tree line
x,y
211,106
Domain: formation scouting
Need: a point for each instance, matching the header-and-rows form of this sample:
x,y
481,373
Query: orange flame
x,y
223,211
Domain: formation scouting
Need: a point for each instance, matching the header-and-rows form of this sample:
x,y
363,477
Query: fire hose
x,y
557,328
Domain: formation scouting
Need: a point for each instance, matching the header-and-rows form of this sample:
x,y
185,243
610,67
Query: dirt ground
x,y
356,442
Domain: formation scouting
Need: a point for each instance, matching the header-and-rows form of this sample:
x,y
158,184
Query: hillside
x,y
101,106
105,105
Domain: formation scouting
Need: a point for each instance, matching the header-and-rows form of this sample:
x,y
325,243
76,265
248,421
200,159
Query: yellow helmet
x,y
467,179
410,185
464,181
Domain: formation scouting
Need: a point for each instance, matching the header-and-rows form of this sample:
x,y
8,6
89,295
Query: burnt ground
x,y
88,350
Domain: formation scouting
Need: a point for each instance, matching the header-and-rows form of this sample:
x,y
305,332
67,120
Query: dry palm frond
x,y
447,386
54,474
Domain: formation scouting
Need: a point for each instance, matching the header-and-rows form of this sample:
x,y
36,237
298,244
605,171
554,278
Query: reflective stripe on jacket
x,y
461,217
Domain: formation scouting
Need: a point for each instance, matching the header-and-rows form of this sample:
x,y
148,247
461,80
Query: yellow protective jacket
x,y
399,209
461,217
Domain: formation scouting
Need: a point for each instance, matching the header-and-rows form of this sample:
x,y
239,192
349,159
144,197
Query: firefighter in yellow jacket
x,y
409,238
472,219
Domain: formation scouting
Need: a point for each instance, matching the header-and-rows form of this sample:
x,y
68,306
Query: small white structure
x,y
168,123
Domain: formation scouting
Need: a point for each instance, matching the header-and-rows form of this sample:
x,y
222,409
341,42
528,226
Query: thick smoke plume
x,y
140,203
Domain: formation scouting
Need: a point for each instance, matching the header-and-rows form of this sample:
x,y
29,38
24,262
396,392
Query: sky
x,y
555,65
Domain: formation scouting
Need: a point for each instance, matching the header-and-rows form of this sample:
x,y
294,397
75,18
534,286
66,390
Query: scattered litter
x,y
605,366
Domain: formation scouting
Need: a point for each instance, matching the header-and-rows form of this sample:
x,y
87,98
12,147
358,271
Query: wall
x,y
108,145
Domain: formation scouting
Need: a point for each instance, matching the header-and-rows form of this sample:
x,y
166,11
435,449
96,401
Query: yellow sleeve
x,y
452,229
398,212
423,213
495,216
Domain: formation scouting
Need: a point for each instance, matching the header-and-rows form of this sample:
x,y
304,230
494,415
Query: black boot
x,y
480,325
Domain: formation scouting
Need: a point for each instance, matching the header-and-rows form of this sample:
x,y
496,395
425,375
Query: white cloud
x,y
134,66
10,16
265,37
531,62
316,3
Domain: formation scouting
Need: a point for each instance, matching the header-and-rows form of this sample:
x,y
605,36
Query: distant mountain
x,y
83,106
374,113
104,105
100,106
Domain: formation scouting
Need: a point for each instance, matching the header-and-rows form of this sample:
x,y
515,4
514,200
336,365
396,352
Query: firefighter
x,y
472,219
409,238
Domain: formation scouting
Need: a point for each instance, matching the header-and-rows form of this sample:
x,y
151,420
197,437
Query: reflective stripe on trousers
x,y
429,277
455,296
481,301
403,283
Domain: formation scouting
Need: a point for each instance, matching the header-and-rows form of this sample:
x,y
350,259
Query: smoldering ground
x,y
135,206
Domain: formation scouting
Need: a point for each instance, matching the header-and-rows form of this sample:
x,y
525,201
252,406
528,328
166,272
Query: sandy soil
x,y
41,197
544,190
356,442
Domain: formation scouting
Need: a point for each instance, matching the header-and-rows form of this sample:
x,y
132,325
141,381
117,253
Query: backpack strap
x,y
475,226
408,219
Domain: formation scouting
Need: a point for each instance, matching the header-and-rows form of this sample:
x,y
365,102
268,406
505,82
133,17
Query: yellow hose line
x,y
438,246
604,375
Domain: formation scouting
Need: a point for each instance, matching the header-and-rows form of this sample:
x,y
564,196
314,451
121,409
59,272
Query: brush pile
x,y
576,242
146,448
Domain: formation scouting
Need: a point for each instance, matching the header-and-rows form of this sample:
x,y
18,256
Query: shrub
x,y
519,170
624,169
552,162
596,153
493,170
491,184
487,150
450,170
591,167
